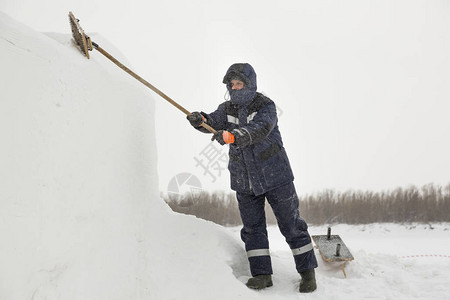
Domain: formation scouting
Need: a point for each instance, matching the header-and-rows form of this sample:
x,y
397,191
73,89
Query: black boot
x,y
260,282
308,282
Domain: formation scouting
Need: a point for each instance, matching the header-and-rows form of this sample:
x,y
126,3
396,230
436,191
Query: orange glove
x,y
223,137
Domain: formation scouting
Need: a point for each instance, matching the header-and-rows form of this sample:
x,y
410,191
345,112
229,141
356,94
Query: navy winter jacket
x,y
260,164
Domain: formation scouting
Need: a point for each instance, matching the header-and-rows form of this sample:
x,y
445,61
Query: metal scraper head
x,y
80,38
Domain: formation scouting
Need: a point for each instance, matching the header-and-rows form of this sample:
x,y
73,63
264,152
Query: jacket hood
x,y
245,73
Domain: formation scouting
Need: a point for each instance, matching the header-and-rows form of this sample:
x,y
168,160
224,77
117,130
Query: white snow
x,y
80,212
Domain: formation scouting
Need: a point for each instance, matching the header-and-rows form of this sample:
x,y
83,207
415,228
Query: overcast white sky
x,y
362,86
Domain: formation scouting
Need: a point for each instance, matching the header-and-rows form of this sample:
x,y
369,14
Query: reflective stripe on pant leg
x,y
258,252
260,263
301,250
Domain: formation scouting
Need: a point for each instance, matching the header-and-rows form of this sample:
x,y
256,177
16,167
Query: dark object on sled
x,y
332,248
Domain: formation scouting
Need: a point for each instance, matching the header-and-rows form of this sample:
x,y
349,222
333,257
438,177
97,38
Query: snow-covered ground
x,y
392,261
81,217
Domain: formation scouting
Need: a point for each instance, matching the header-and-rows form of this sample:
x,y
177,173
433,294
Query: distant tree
x,y
430,203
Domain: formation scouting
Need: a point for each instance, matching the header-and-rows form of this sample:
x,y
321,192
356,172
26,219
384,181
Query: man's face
x,y
236,84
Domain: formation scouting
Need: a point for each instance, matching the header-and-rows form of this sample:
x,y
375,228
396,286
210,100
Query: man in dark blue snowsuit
x,y
259,170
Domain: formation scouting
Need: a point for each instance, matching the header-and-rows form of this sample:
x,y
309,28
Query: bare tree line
x,y
218,207
429,203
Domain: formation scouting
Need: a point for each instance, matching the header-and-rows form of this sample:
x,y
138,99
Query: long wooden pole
x,y
149,85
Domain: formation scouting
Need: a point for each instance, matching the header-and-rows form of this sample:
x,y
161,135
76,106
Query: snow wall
x,y
80,212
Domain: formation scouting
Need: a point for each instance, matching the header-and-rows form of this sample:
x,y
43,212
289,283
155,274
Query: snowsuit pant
x,y
284,203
